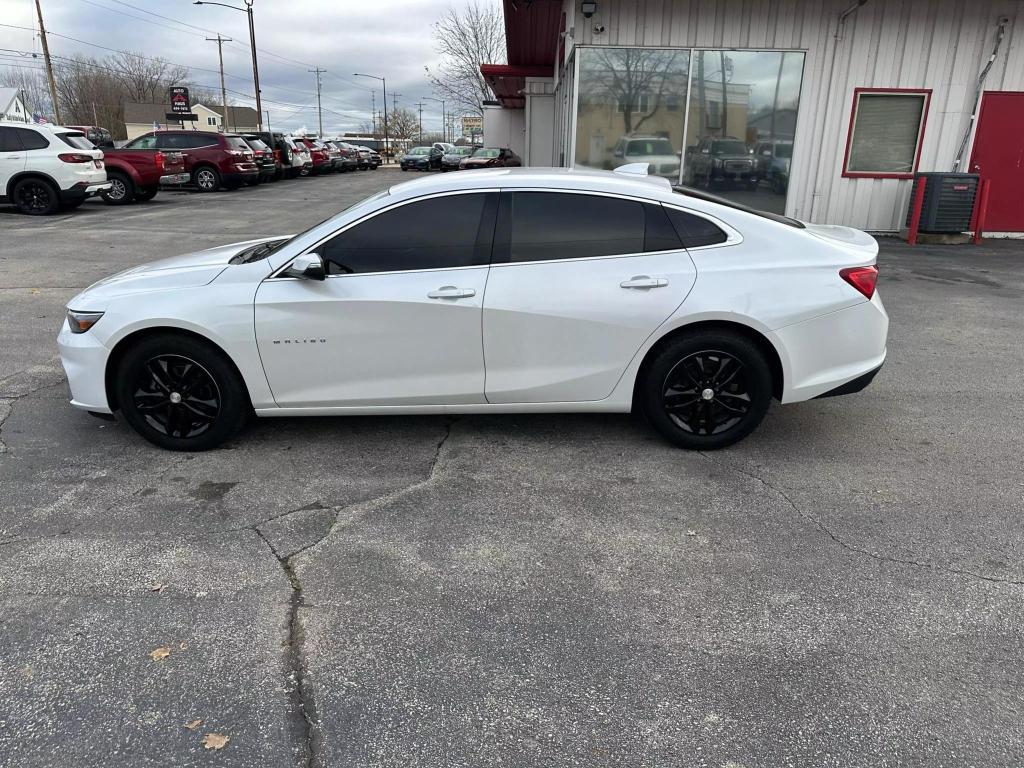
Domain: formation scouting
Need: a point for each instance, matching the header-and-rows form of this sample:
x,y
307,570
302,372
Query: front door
x,y
12,156
998,157
396,321
579,282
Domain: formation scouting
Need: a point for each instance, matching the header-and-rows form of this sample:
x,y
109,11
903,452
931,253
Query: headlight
x,y
80,322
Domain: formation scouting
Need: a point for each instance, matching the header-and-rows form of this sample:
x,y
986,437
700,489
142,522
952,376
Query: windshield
x,y
649,147
419,151
76,140
487,153
784,150
357,204
696,193
728,148
463,151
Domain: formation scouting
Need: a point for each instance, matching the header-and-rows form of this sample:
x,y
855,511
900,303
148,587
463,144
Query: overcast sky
x,y
391,38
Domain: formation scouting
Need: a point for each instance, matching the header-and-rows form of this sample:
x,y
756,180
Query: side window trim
x,y
732,236
481,249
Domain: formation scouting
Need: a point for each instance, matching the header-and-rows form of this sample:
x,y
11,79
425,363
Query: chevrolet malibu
x,y
501,291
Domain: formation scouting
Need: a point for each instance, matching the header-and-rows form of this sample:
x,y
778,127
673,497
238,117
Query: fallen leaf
x,y
35,291
158,588
182,645
193,724
161,653
215,740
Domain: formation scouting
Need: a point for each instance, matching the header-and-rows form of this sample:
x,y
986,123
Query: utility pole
x,y
373,113
49,64
268,122
319,110
420,105
220,55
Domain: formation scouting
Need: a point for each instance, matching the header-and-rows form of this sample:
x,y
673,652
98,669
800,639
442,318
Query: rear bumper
x,y
239,177
175,178
853,386
832,352
83,190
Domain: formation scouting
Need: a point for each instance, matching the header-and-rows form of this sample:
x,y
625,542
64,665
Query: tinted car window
x,y
32,139
9,141
236,142
143,142
695,231
429,234
257,144
76,140
557,225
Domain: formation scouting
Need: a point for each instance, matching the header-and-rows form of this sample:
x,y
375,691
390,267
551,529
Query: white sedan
x,y
504,291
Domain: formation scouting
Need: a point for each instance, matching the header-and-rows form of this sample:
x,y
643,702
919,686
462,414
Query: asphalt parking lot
x,y
844,588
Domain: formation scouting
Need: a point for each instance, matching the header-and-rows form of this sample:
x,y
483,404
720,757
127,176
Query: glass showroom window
x,y
723,120
886,131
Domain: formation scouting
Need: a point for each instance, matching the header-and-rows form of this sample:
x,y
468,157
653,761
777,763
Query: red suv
x,y
213,160
318,153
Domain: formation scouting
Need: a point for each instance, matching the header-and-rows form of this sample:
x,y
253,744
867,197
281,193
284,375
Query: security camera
x,y
598,29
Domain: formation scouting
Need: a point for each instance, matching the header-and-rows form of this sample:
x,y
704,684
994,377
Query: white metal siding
x,y
937,44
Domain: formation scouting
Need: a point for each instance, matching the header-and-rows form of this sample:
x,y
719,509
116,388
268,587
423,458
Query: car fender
x,y
31,174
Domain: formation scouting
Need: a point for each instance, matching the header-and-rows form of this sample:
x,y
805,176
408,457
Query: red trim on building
x,y
508,81
926,92
532,45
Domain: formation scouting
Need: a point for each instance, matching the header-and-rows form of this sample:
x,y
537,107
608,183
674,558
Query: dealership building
x,y
821,110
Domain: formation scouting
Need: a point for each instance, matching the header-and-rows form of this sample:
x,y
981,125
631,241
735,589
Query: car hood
x,y
190,270
657,159
734,157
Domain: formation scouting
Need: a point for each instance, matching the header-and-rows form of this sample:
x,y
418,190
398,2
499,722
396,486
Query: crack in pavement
x,y
299,690
7,403
853,548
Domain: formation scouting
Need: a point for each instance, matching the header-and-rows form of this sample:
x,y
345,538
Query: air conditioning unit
x,y
948,201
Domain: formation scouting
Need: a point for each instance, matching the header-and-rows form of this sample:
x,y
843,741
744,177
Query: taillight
x,y
74,157
861,278
159,161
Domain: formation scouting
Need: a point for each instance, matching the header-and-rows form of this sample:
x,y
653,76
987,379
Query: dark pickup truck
x,y
136,174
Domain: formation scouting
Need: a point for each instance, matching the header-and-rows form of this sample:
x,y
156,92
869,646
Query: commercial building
x,y
820,110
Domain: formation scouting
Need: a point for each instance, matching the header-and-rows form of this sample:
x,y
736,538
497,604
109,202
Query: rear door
x,y
12,156
579,282
396,321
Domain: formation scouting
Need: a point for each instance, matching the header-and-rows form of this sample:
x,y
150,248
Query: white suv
x,y
43,168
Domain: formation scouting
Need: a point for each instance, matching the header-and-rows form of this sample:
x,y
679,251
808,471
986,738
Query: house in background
x,y
143,118
12,106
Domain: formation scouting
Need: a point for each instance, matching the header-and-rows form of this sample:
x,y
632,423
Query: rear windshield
x,y
699,195
257,144
236,142
76,140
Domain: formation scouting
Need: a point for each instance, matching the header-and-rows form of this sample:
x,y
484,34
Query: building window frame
x,y
926,93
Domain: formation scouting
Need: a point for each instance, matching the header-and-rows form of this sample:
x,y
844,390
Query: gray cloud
x,y
383,37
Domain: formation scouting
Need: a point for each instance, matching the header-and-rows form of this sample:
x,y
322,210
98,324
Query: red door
x,y
998,156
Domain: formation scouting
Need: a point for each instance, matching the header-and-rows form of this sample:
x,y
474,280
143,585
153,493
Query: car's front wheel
x,y
181,393
707,390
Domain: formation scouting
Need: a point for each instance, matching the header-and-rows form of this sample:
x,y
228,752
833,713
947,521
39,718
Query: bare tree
x,y
403,124
146,80
466,39
33,86
636,81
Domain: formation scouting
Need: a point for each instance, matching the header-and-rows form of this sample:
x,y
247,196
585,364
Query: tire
x,y
212,403
146,194
35,197
707,390
122,190
206,178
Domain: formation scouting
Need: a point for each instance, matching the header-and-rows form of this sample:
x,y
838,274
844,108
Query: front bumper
x,y
85,362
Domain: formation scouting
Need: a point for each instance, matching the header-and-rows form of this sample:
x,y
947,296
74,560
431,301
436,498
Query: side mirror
x,y
619,153
308,266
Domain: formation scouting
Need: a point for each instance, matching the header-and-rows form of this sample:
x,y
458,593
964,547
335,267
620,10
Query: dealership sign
x,y
472,124
181,106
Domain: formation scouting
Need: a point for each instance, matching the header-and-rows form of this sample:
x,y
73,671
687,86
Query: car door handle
x,y
451,292
643,281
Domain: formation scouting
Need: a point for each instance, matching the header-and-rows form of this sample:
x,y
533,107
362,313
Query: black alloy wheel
x,y
176,396
181,393
707,390
35,197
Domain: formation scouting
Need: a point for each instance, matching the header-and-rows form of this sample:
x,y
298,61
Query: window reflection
x,y
738,110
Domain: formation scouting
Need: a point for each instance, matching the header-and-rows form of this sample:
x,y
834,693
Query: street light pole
x,y
444,122
384,85
252,45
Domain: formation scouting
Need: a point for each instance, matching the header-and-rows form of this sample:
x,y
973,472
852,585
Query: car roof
x,y
44,127
585,179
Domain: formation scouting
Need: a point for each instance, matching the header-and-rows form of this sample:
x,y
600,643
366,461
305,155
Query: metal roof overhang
x,y
531,44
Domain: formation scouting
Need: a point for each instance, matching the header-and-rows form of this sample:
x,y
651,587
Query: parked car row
x,y
45,168
441,156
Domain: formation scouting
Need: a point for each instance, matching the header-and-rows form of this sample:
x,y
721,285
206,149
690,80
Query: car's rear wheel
x,y
707,390
36,197
181,393
206,179
122,190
